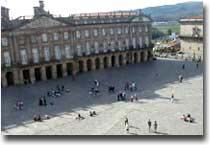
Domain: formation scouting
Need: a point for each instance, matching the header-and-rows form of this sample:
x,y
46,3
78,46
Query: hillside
x,y
174,12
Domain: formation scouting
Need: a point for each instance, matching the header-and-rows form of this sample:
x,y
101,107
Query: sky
x,y
67,7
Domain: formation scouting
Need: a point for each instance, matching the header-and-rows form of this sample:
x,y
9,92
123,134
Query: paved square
x,y
154,94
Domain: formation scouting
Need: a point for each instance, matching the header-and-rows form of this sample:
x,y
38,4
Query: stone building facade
x,y
47,47
191,34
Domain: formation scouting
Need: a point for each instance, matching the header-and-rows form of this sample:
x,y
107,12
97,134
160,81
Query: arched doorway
x,y
142,56
135,56
59,70
89,65
113,60
69,67
10,78
149,56
26,76
105,62
120,60
49,72
127,58
37,74
97,62
81,65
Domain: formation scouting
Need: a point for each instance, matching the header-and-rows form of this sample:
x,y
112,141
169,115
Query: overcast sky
x,y
66,7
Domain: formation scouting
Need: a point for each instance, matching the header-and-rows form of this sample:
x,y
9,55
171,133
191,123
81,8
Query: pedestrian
x,y
155,126
183,66
126,120
149,125
127,128
172,98
197,65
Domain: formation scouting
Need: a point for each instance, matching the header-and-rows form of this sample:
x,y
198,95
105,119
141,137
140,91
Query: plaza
x,y
154,93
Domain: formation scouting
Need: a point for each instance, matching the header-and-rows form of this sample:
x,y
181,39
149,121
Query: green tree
x,y
169,31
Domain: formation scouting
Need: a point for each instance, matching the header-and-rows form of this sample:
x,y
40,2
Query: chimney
x,y
4,13
41,4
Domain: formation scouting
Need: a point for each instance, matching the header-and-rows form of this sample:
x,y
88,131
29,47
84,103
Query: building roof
x,y
192,19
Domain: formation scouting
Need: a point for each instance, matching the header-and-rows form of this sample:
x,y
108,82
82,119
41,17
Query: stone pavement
x,y
154,103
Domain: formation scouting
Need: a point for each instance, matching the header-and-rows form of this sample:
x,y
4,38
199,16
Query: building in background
x,y
46,47
191,34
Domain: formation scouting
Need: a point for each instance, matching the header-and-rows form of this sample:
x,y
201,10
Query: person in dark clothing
x,y
155,126
149,125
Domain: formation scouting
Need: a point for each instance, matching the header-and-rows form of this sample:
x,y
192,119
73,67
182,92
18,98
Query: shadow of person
x,y
160,133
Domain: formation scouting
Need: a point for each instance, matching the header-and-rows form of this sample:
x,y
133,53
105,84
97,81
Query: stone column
x,y
101,63
54,71
132,58
124,59
43,73
145,55
32,75
20,74
117,61
84,66
16,79
109,61
93,66
3,79
64,70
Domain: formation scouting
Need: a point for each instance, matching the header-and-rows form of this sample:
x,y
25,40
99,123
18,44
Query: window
x,y
67,51
103,32
4,41
7,59
57,53
119,30
86,33
140,42
87,48
78,34
44,37
55,36
33,39
119,45
35,55
146,29
104,46
95,32
127,43
111,31
96,46
112,45
78,50
134,42
126,30
23,56
133,29
65,35
47,54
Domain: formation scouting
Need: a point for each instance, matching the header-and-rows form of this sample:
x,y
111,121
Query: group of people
x,y
131,86
95,89
121,96
57,92
187,118
155,125
42,101
38,118
91,114
19,105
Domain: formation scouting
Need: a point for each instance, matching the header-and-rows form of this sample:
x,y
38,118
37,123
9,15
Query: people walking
x,y
155,126
149,125
183,66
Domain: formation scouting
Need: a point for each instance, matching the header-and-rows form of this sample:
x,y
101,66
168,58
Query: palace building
x,y
191,34
47,47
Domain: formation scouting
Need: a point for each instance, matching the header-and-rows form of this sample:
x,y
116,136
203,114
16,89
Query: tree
x,y
169,31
